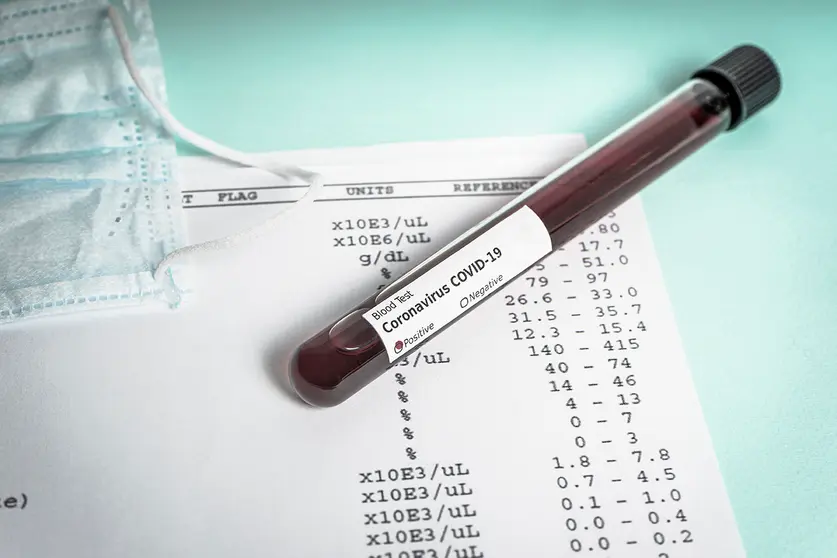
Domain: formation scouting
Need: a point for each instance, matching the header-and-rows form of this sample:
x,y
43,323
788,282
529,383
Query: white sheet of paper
x,y
150,433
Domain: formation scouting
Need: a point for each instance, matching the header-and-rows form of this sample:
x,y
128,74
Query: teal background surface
x,y
746,230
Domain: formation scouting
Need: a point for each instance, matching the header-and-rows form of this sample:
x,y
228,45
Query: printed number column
x,y
545,313
641,470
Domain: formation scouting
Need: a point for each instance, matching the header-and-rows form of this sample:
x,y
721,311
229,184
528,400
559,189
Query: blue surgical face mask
x,y
90,209
89,202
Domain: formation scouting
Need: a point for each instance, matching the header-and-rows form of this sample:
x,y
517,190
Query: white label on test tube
x,y
440,295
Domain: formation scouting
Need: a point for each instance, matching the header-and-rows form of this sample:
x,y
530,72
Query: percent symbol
x,y
386,273
402,397
405,414
400,379
411,453
408,433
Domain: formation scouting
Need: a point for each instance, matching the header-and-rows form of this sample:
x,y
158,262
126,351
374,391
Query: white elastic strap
x,y
247,159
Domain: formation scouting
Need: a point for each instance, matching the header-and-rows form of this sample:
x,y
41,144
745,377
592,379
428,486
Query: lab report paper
x,y
558,418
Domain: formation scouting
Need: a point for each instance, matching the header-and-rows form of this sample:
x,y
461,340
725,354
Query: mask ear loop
x,y
171,124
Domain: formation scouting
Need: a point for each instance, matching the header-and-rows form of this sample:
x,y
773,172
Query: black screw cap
x,y
748,76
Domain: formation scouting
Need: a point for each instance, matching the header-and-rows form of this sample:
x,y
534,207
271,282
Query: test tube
x,y
389,325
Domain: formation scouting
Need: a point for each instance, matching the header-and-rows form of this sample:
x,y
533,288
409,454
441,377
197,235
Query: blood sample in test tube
x,y
347,355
